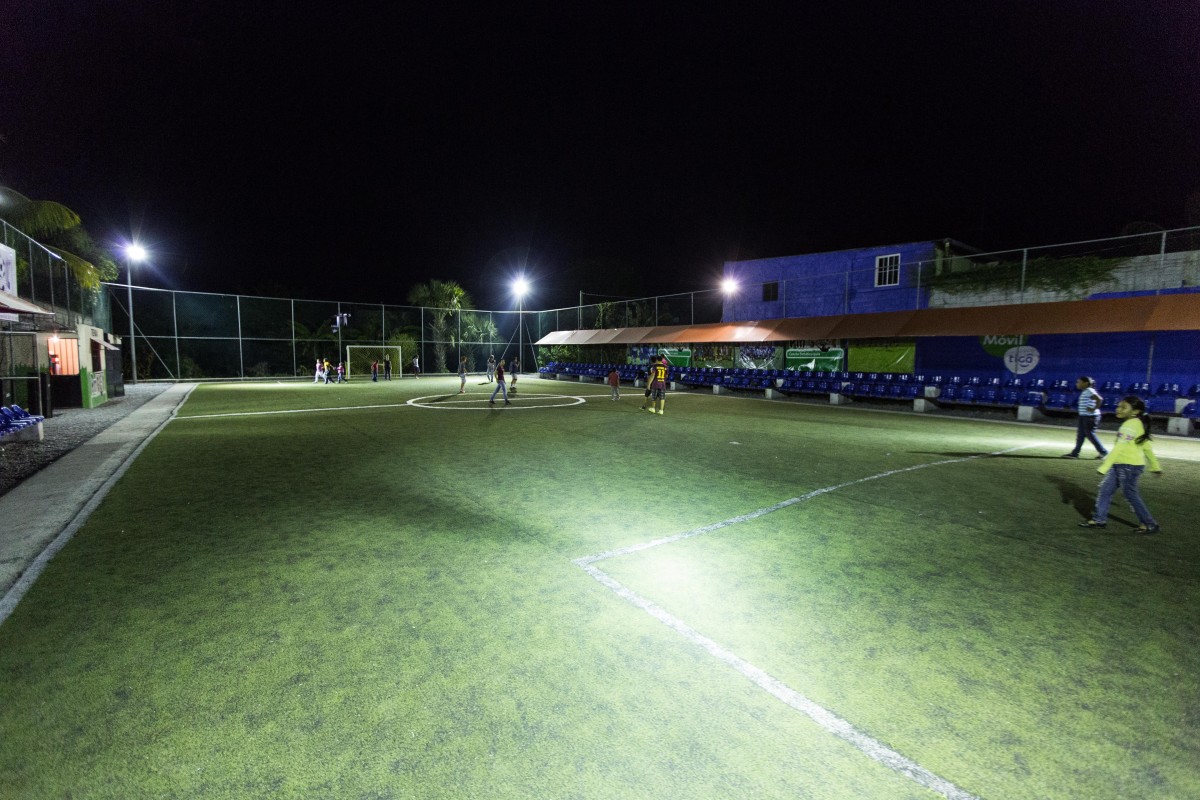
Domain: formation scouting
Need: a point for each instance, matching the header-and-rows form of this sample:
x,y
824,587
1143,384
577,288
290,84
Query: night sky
x,y
348,150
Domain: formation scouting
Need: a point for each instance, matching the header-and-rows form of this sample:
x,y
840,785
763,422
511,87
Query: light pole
x,y
133,254
520,286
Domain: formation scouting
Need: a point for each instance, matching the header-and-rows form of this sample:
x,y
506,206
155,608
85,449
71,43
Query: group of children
x,y
326,372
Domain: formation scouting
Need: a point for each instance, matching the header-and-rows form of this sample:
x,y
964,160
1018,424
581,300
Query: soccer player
x,y
614,380
462,376
657,381
416,365
500,387
516,367
387,368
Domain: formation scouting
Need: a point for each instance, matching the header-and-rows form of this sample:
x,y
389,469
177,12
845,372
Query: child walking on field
x,y
1124,464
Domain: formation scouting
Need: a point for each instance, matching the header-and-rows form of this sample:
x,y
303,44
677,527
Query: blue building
x,y
861,281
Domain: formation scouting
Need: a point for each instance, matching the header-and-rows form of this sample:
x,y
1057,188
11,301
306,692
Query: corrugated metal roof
x,y
1171,312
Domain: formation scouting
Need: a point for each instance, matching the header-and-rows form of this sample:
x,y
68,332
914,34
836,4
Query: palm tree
x,y
60,230
477,328
441,300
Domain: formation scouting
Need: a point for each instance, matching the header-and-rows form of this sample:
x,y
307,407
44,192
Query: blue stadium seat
x,y
1161,405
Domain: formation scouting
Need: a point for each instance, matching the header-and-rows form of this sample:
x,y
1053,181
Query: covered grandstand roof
x,y
1168,312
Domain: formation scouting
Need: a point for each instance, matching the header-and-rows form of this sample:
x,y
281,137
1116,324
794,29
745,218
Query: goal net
x,y
359,358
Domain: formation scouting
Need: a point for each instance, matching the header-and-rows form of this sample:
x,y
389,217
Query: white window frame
x,y
887,270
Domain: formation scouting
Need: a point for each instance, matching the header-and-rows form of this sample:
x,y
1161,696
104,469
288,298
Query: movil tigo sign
x,y
1017,356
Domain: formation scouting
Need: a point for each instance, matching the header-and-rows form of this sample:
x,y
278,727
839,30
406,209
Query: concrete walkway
x,y
39,516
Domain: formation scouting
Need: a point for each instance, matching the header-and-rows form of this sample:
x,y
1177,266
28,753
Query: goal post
x,y
359,358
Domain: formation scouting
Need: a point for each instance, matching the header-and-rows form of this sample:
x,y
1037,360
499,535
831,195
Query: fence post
x,y
1162,264
241,358
917,302
175,326
295,365
1024,263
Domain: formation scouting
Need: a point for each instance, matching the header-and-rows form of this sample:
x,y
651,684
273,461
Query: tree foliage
x,y
61,230
441,300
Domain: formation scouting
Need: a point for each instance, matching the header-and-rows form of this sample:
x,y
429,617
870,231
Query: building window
x,y
770,292
887,270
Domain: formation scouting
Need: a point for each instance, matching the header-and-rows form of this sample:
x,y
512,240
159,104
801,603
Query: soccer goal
x,y
359,358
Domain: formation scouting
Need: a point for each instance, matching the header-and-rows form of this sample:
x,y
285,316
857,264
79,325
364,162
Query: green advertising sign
x,y
814,358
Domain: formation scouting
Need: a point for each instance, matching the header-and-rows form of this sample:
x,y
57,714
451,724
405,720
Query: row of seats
x,y
1056,394
14,419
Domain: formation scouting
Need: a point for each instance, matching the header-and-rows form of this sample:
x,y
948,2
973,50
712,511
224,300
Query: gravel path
x,y
66,430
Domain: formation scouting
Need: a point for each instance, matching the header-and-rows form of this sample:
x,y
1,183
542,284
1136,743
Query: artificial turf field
x,y
372,599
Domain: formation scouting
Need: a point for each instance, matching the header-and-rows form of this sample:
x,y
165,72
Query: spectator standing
x,y
1089,418
500,387
1124,464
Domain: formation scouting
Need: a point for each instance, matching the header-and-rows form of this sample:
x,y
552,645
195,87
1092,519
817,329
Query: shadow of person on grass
x,y
1082,500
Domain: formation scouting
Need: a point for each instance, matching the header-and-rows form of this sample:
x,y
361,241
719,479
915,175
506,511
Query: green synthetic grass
x,y
381,602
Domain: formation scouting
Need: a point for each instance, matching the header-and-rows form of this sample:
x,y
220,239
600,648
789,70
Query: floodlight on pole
x,y
729,286
134,253
520,287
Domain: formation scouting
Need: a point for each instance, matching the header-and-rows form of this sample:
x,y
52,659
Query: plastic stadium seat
x,y
1110,401
1161,405
23,414
1194,391
1168,390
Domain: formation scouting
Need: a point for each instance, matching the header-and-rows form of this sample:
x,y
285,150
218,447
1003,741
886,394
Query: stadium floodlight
x,y
520,287
729,286
134,253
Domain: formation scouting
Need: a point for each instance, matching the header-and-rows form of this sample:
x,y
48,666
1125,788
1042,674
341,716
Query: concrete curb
x,y
44,512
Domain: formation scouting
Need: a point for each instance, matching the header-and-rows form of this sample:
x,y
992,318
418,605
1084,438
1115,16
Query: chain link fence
x,y
196,336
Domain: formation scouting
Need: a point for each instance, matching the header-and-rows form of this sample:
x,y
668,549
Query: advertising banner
x,y
8,276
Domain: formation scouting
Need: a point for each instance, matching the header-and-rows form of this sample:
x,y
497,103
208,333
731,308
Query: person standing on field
x,y
1124,465
387,367
614,380
491,367
462,376
1089,418
500,387
657,380
375,371
320,373
416,365
516,367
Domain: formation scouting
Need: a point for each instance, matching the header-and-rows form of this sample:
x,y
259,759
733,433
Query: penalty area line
x,y
830,722
716,526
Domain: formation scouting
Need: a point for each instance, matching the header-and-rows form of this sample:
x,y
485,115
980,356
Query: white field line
x,y
633,548
289,411
832,723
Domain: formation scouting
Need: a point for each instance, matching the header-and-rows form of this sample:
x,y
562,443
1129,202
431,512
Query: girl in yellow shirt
x,y
1124,464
